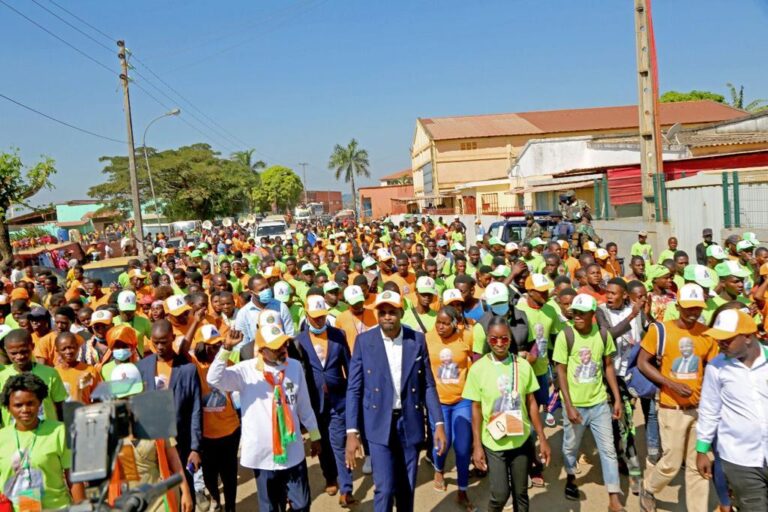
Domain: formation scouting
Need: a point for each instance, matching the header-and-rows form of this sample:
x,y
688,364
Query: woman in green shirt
x,y
34,458
502,387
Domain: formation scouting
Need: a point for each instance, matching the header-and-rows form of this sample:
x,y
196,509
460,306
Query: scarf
x,y
283,429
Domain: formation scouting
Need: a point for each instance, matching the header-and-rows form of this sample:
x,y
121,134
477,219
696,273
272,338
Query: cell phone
x,y
191,468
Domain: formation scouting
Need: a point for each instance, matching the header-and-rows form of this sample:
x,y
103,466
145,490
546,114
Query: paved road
x,y
550,499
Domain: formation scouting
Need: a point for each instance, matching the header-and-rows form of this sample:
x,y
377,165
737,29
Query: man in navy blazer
x,y
390,382
325,357
185,384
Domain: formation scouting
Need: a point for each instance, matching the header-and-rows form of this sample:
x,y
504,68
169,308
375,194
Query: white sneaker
x,y
367,469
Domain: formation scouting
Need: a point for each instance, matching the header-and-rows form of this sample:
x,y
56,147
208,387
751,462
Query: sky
x,y
292,78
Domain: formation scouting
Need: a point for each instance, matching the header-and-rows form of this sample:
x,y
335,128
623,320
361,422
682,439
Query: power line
x,y
108,48
69,125
81,20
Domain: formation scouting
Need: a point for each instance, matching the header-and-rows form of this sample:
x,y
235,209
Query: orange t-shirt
x,y
407,284
353,325
163,374
219,417
572,264
45,347
79,381
599,297
686,369
450,360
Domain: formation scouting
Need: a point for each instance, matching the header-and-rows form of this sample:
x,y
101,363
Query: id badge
x,y
515,425
497,426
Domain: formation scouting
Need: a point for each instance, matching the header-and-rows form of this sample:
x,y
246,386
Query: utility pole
x,y
304,167
138,224
651,155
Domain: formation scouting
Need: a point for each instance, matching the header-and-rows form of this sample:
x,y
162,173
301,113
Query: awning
x,y
548,186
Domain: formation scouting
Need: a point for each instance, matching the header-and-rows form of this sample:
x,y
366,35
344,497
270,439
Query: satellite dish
x,y
251,219
207,225
242,221
672,133
226,222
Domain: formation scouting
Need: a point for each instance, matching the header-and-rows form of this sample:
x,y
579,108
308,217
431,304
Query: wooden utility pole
x,y
138,223
304,167
651,156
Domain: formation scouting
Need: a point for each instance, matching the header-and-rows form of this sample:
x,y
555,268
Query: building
x,y
404,177
462,163
331,199
61,219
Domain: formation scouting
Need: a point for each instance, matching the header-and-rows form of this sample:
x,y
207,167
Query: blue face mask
x,y
500,309
265,295
121,354
316,330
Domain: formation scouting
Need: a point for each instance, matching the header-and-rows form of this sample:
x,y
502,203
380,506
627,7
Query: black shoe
x,y
572,491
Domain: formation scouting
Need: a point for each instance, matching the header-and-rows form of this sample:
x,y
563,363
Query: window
x,y
468,146
490,204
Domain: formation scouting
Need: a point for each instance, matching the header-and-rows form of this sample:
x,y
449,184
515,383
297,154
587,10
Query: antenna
x,y
672,132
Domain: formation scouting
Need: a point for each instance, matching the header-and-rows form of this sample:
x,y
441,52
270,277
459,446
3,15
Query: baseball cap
x,y
691,295
101,316
368,262
730,323
642,233
124,333
706,232
202,246
353,295
176,306
136,272
272,271
731,268
308,267
584,302
501,271
39,312
700,275
511,247
19,294
657,271
732,239
457,247
196,254
748,235
496,293
389,297
282,291
564,244
494,240
125,380
601,254
590,246
538,282
426,284
535,242
383,254
452,295
271,337
269,317
715,251
316,306
744,245
330,286
126,301
442,243
209,334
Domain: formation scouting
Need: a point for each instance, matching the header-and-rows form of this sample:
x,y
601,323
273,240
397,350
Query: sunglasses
x,y
498,340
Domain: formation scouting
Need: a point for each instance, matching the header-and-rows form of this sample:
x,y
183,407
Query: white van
x,y
274,226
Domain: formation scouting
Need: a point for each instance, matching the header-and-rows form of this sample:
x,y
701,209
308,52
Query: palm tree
x,y
349,162
245,158
737,100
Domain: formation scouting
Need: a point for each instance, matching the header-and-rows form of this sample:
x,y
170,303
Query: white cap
x,y
353,295
175,305
368,261
209,332
452,295
308,267
282,291
496,293
126,301
316,306
383,254
426,284
101,316
511,247
388,297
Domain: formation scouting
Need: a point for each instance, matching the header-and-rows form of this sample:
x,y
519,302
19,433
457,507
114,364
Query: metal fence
x,y
745,199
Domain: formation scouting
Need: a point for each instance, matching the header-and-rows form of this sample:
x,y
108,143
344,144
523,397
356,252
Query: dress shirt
x,y
394,349
734,407
247,320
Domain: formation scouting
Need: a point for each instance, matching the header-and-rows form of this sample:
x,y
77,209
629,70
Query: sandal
x,y
537,480
440,486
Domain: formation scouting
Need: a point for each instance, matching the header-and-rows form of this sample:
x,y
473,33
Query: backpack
x,y
570,338
638,384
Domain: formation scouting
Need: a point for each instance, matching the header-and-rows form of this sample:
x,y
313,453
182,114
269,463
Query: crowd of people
x,y
377,344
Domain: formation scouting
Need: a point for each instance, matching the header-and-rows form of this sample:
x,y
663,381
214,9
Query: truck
x,y
302,214
317,210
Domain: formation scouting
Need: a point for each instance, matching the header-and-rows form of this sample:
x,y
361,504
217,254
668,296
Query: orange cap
x,y
19,294
124,333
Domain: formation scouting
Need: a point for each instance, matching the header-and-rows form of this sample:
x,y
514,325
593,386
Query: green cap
x,y
501,271
196,254
657,271
700,275
535,242
202,246
731,268
584,302
717,252
495,241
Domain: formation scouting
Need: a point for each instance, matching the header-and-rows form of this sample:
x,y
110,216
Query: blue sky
x,y
292,78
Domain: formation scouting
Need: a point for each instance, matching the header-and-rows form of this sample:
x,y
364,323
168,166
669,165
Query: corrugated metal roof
x,y
573,120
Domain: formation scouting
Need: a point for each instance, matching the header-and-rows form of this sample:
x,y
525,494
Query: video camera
x,y
95,433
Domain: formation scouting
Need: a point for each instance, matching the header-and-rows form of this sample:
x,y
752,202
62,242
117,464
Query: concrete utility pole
x,y
304,168
651,156
138,224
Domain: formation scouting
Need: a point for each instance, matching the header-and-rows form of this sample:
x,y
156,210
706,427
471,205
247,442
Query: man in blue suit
x,y
168,370
325,356
389,399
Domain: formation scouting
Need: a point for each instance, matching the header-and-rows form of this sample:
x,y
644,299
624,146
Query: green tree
x,y
737,100
245,158
675,96
191,182
16,188
279,190
349,162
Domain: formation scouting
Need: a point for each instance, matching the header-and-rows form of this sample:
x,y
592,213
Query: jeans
x,y
718,478
598,419
542,395
219,458
508,474
750,486
651,415
275,489
458,432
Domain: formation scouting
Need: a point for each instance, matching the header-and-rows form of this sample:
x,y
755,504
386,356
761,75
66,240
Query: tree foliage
x,y
245,158
16,186
191,182
280,189
675,96
348,162
737,100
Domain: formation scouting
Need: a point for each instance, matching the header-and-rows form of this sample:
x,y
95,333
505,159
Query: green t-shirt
x,y
11,322
665,255
143,328
123,280
478,339
542,323
56,390
428,319
492,383
49,454
585,366
301,288
643,250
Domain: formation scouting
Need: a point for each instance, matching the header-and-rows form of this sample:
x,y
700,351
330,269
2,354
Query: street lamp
x,y
174,112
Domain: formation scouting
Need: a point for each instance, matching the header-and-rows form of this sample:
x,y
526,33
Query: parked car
x,y
107,270
512,228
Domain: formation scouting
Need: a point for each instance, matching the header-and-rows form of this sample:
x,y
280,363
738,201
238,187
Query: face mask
x,y
265,295
316,330
121,354
500,309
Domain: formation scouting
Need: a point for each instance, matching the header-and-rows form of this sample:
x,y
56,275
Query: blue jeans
x,y
458,432
651,415
598,419
275,489
718,478
542,395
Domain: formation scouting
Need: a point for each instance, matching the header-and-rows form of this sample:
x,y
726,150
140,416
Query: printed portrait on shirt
x,y
586,370
448,371
541,340
215,401
506,402
685,367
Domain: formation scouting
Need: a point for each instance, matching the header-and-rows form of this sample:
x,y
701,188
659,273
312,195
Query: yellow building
x,y
460,163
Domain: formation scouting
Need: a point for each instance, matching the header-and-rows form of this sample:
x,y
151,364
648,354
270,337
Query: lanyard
x,y
514,373
28,458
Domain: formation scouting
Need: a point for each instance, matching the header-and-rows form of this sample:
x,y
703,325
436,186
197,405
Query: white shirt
x,y
394,349
247,378
734,406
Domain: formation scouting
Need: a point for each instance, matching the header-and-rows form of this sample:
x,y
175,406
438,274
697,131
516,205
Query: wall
x,y
381,198
331,199
624,233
